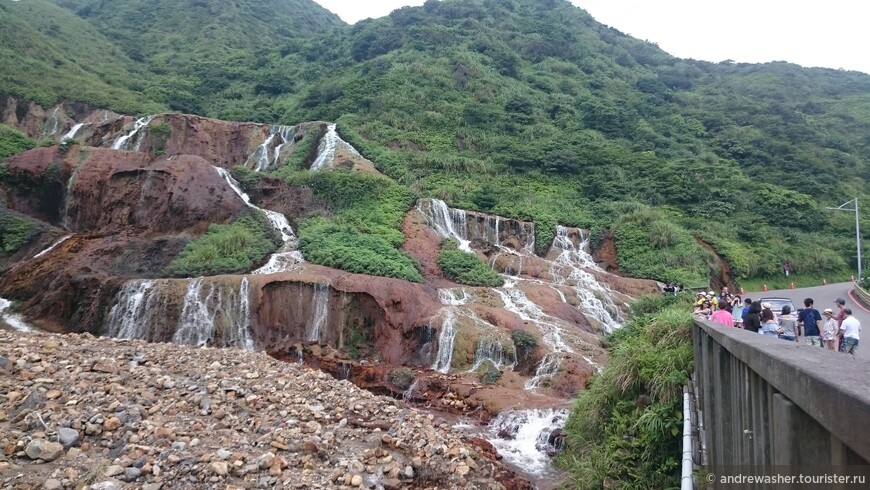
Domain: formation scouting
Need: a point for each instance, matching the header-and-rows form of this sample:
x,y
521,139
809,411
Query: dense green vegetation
x,y
624,428
360,229
465,268
528,109
13,141
16,231
225,249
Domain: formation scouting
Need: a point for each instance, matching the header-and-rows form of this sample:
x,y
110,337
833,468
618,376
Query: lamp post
x,y
842,207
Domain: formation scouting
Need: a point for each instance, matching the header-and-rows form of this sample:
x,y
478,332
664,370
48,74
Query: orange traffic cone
x,y
765,288
792,284
742,291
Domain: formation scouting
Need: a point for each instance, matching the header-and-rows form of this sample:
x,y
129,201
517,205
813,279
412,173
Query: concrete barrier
x,y
770,404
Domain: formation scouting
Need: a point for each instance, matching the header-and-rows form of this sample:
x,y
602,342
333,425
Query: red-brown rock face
x,y
106,190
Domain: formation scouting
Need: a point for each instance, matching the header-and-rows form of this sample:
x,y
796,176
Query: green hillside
x,y
47,53
529,109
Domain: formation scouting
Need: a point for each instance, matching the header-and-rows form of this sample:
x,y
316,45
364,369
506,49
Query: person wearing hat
x,y
849,330
829,333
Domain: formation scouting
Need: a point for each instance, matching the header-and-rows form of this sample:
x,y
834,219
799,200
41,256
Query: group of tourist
x,y
834,331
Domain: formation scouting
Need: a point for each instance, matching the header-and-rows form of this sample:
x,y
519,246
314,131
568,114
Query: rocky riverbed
x,y
83,412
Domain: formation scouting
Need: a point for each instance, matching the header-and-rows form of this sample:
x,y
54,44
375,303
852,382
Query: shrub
x,y
345,247
13,141
402,377
624,427
466,268
525,343
15,232
491,375
226,249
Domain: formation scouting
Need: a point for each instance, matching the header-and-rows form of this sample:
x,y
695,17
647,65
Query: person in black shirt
x,y
809,318
752,320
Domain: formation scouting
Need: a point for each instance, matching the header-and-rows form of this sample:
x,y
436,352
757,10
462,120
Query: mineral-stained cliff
x,y
125,197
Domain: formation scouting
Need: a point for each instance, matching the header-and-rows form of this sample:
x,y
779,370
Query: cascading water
x,y
287,256
53,122
219,317
493,351
135,304
329,143
526,437
14,320
447,222
464,227
576,259
52,246
517,302
446,337
72,132
123,143
68,196
320,315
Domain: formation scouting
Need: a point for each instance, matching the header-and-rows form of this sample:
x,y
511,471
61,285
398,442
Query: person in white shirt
x,y
849,331
830,335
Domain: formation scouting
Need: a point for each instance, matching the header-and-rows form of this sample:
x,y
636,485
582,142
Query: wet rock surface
x,y
83,412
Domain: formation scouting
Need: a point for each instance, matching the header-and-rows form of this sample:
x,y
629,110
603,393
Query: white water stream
x,y
72,132
522,437
124,142
329,144
320,314
14,320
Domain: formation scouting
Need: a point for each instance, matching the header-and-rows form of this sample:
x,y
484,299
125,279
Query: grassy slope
x,y
47,54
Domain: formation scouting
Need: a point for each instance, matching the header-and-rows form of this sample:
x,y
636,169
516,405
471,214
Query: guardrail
x,y
862,296
770,404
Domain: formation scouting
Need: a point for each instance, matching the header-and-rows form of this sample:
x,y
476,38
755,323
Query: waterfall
x,y
344,369
408,395
123,143
266,157
329,143
576,259
447,222
67,198
52,246
320,315
464,227
72,132
287,255
454,296
492,351
220,317
237,319
517,302
14,320
55,124
527,438
445,341
128,318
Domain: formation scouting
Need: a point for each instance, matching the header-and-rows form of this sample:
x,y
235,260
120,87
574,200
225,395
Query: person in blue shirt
x,y
810,317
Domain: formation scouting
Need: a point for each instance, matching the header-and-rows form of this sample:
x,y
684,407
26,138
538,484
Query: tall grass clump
x,y
466,268
623,431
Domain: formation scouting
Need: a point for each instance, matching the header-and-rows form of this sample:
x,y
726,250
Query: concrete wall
x,y
770,403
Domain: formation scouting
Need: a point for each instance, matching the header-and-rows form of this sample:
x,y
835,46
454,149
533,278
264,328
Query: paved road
x,y
824,297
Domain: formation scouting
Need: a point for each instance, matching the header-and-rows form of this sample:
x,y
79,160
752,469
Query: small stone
x,y
152,486
223,454
391,483
111,423
462,470
68,437
104,366
45,450
130,474
356,481
113,470
409,472
215,365
105,485
52,484
220,468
